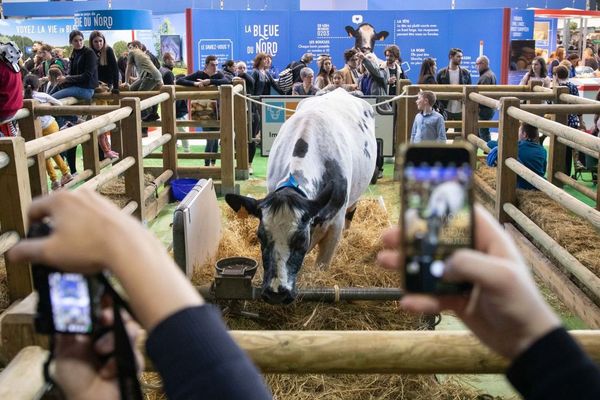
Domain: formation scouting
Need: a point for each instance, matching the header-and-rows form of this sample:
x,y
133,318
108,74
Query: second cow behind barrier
x,y
321,163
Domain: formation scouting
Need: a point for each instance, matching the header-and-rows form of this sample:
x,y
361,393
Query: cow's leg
x,y
349,215
329,243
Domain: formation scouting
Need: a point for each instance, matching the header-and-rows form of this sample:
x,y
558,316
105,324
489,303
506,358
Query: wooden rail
x,y
7,241
560,196
584,276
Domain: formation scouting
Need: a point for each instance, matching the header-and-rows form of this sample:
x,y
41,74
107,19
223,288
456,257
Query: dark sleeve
x,y
257,84
197,358
374,70
113,66
219,79
430,80
189,80
249,82
168,78
555,367
438,77
88,75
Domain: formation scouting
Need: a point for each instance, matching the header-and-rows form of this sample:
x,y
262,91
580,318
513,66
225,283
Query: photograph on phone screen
x,y
437,219
69,295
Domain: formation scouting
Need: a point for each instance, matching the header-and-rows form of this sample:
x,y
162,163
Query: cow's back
x,y
328,136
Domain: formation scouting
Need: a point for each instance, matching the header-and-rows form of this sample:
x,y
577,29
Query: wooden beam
x,y
8,240
484,100
132,147
400,127
14,203
31,129
470,113
557,151
411,110
169,124
242,136
154,207
567,180
586,278
23,378
227,141
568,293
589,214
508,138
478,142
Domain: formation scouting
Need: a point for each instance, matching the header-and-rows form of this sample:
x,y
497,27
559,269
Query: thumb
x,y
29,250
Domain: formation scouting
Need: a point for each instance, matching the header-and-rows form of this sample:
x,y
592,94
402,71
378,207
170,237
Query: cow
x,y
320,164
365,36
445,201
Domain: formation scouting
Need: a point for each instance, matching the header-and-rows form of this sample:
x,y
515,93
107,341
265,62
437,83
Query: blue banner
x,y
419,34
113,20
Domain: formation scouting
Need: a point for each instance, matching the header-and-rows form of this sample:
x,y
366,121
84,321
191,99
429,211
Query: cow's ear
x,y
350,30
381,35
318,207
243,205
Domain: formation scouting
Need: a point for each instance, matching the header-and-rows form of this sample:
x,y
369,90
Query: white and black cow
x,y
320,164
365,36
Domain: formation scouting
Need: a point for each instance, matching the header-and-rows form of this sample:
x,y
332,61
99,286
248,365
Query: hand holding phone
x,y
67,302
436,213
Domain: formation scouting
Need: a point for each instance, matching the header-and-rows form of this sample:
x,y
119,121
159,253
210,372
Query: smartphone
x,y
67,302
436,215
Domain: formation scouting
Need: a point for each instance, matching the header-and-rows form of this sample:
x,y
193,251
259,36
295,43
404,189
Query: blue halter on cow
x,y
320,164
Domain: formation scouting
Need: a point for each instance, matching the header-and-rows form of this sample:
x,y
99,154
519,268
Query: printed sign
x,y
112,20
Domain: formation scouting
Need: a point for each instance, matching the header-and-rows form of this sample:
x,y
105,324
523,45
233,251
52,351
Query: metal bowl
x,y
236,266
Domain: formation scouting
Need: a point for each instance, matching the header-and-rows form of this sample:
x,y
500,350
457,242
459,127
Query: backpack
x,y
286,81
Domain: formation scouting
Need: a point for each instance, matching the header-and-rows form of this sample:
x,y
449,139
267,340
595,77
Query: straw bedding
x,y
353,265
570,231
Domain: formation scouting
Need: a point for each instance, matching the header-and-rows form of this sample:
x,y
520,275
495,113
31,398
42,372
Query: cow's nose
x,y
283,296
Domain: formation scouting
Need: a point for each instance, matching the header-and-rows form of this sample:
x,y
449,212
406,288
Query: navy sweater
x,y
197,359
530,154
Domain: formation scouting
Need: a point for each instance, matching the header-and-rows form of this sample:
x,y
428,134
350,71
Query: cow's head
x,y
365,36
287,219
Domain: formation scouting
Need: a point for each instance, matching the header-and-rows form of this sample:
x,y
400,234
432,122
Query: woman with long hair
x,y
326,70
537,73
108,73
427,74
263,83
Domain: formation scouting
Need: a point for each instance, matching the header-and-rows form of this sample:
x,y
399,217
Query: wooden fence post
x,y
169,125
411,111
470,113
400,127
31,128
241,136
508,139
91,159
557,152
15,200
131,127
227,157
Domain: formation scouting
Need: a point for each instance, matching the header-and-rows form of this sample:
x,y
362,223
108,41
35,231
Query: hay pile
x,y
353,265
570,231
115,190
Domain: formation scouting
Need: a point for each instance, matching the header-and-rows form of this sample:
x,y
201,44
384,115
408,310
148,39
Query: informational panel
x,y
272,119
419,34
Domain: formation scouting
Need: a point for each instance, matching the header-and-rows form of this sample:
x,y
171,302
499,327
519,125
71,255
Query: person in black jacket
x,y
207,77
108,70
454,74
507,313
80,83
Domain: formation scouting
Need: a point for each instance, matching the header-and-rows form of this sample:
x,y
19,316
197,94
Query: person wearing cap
x,y
11,88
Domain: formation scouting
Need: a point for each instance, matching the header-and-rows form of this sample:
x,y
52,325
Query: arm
x,y
492,158
201,354
413,132
525,79
219,79
49,99
376,73
169,78
441,130
190,80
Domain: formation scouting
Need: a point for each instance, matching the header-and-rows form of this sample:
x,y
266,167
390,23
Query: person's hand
x,y
205,82
84,247
80,367
124,86
199,83
115,91
504,309
60,79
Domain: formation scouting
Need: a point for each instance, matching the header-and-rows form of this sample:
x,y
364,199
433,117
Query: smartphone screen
x,y
437,214
70,302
